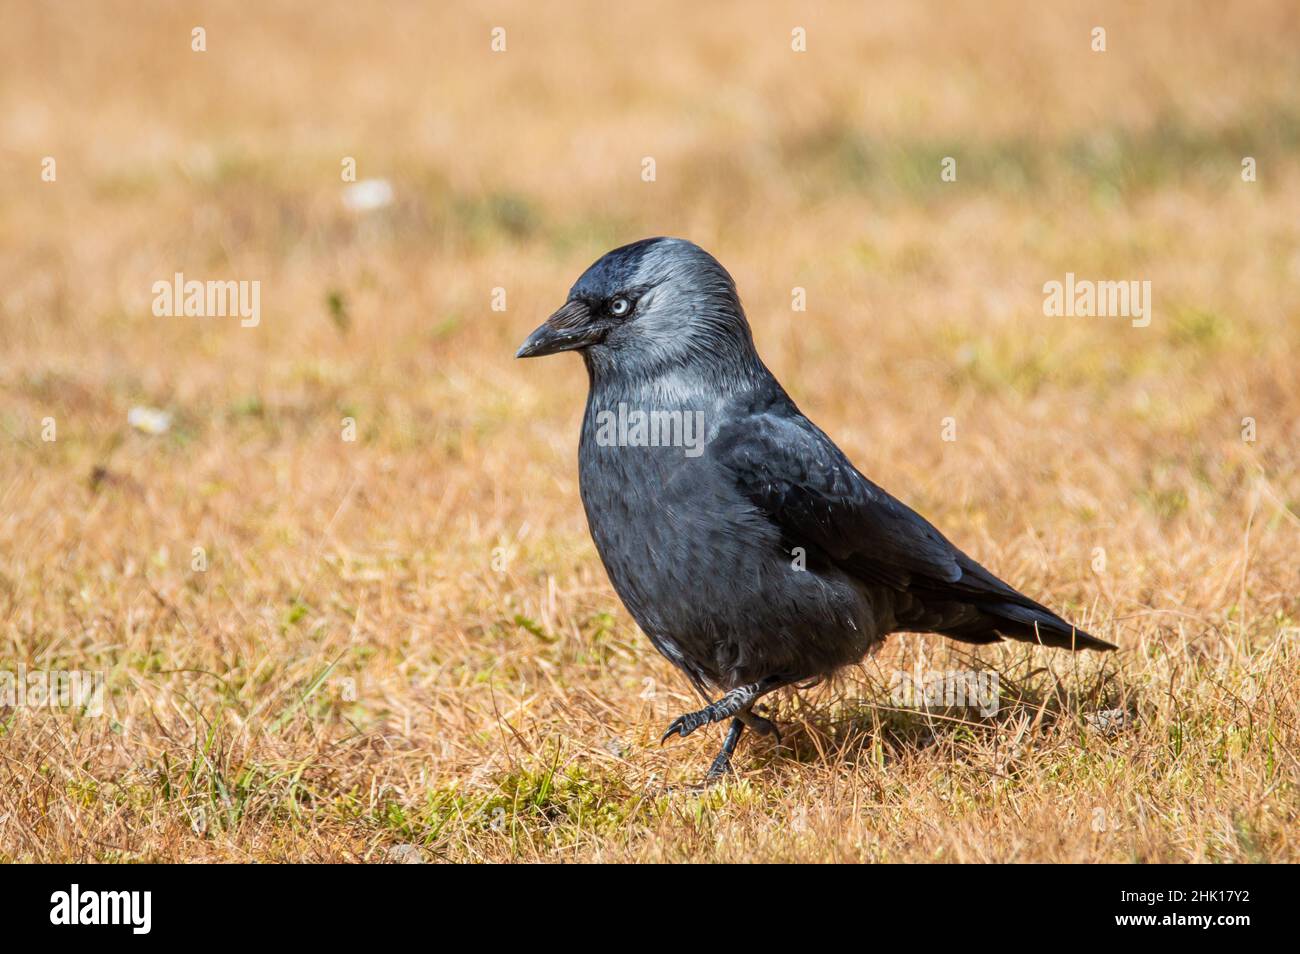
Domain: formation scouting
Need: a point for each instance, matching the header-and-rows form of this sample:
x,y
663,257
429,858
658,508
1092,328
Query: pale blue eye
x,y
620,307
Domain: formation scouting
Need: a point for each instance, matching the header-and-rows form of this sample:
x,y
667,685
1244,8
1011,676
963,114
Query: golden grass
x,y
505,707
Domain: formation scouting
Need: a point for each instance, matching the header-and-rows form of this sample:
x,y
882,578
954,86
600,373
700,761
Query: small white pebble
x,y
368,195
149,420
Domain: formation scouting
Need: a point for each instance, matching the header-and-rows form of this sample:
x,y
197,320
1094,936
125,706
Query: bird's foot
x,y
722,764
684,725
720,768
736,701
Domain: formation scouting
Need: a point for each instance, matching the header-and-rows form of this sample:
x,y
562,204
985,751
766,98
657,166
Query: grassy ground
x,y
404,646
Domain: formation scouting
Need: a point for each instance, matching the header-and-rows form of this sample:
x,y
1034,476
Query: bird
x,y
741,539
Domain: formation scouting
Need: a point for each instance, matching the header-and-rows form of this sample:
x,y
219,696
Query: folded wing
x,y
794,474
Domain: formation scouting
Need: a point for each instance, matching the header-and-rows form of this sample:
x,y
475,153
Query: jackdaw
x,y
740,538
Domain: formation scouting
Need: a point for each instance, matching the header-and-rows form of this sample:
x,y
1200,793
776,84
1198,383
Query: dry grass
x,y
505,706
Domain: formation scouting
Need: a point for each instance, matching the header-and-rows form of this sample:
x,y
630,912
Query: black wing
x,y
792,472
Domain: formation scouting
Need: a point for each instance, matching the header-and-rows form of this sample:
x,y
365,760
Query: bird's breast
x,y
657,506
704,573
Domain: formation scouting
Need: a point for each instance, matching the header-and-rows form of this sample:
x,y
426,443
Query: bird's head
x,y
649,307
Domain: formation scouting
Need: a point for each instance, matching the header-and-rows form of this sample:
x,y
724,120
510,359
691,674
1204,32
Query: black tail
x,y
1028,622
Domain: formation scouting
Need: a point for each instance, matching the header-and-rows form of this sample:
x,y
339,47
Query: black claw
x,y
684,725
680,727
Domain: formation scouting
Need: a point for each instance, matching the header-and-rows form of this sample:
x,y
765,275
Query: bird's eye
x,y
620,307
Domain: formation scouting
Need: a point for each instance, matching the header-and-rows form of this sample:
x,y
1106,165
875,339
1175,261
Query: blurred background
x,y
375,611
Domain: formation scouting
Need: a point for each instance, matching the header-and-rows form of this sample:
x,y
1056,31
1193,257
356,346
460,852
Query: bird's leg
x,y
722,764
736,701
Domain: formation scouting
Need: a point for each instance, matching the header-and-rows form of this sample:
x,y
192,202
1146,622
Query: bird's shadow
x,y
852,723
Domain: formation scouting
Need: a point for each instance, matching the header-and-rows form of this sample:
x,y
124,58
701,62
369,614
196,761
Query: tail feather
x,y
1040,625
1030,624
978,607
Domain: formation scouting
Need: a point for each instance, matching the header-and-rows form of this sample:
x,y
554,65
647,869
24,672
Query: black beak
x,y
568,329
